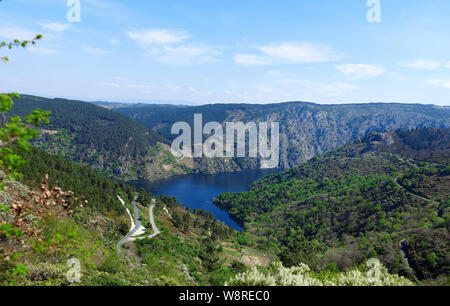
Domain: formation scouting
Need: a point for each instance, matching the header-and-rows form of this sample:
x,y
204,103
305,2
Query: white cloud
x,y
55,26
108,84
40,50
186,55
421,64
236,95
119,83
140,86
114,41
164,45
330,89
16,33
361,71
250,60
95,51
275,73
12,33
303,52
273,93
99,3
16,80
440,82
266,89
288,52
174,88
158,36
447,65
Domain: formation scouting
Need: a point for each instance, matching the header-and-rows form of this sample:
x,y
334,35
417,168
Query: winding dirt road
x,y
137,228
415,195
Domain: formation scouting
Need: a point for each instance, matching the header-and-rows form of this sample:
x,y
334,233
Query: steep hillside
x,y
367,199
102,139
307,129
43,226
76,213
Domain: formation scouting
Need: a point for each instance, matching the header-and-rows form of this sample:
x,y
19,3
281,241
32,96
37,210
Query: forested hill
x,y
60,211
74,212
307,129
100,138
92,125
357,202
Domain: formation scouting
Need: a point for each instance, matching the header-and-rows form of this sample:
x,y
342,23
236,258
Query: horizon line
x,y
194,104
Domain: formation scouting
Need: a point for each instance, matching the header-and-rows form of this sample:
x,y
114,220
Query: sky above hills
x,y
252,51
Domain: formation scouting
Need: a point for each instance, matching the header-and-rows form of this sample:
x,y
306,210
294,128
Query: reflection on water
x,y
199,190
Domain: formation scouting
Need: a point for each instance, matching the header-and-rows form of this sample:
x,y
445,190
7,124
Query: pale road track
x,y
405,257
152,220
402,243
137,226
128,212
417,196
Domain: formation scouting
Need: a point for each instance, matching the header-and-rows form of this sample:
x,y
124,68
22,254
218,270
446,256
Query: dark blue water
x,y
199,190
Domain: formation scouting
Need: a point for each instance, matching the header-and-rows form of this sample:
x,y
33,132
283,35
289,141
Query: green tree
x,y
210,255
299,250
186,222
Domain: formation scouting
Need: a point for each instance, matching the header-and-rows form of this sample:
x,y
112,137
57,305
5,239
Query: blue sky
x,y
197,51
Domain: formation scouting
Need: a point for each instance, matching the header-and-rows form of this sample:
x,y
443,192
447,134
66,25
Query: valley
x,y
383,195
138,147
186,146
206,187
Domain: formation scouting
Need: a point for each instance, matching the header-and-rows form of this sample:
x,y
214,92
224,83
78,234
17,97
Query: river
x,y
199,190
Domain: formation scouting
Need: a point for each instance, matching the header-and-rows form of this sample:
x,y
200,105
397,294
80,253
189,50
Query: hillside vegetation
x,y
342,208
101,139
74,212
193,248
134,141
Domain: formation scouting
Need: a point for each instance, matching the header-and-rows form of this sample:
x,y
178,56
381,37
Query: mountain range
x,y
133,142
306,129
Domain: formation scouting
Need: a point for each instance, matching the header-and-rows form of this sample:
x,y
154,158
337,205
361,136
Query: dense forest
x,y
100,191
346,206
100,138
92,126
